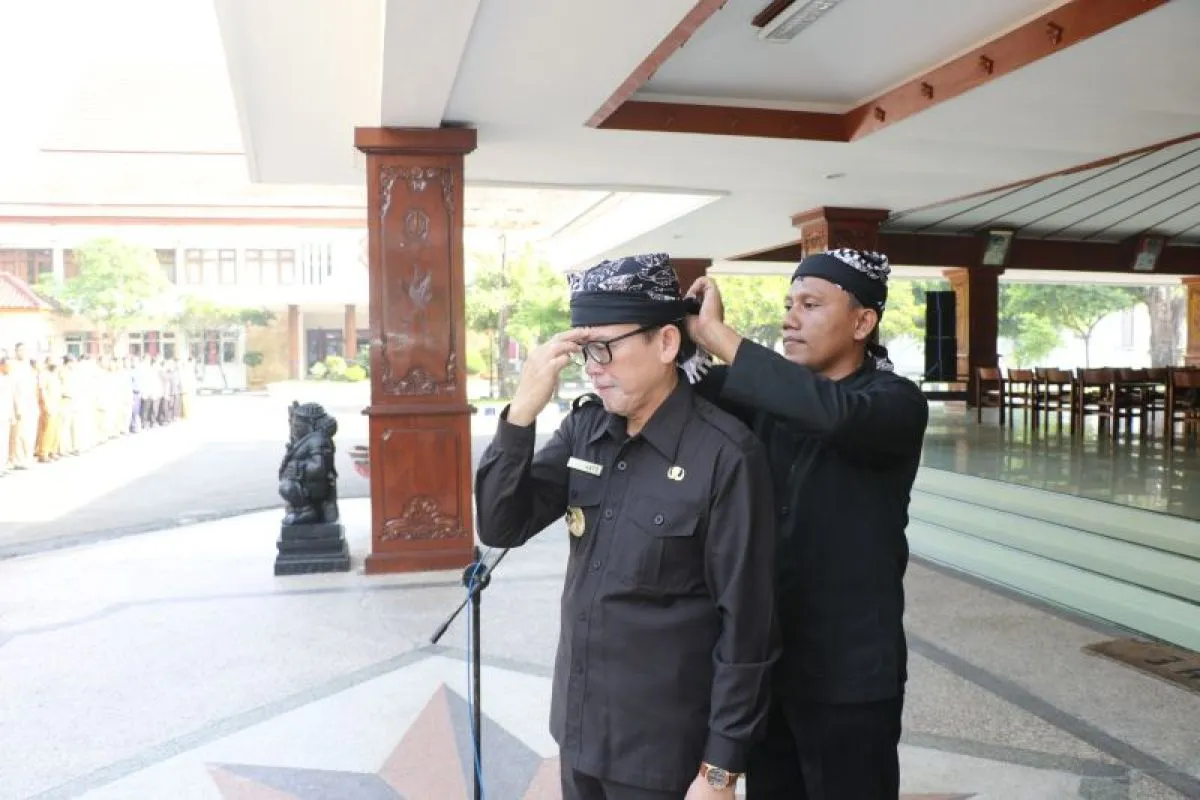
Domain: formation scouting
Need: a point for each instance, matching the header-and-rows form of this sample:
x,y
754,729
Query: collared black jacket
x,y
844,455
666,644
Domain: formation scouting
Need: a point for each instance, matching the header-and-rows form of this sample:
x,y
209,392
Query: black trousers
x,y
815,751
578,786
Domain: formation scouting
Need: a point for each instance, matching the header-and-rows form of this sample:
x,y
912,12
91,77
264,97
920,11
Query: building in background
x,y
24,316
312,278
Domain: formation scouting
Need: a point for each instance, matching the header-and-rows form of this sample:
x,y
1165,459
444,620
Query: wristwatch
x,y
718,778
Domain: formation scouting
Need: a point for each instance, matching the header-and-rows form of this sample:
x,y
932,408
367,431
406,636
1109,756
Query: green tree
x,y
514,297
119,286
1168,310
754,305
541,302
1033,314
904,316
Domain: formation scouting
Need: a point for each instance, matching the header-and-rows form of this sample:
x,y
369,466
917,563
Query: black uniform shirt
x,y
843,457
666,645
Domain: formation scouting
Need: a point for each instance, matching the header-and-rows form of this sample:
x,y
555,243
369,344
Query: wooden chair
x,y
1131,398
1056,392
1183,404
989,390
1019,393
1095,396
1158,381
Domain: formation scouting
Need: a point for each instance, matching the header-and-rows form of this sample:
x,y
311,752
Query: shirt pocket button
x,y
659,519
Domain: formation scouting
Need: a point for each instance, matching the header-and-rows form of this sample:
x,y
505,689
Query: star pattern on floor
x,y
433,761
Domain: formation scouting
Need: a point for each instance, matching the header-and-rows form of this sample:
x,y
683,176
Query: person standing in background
x,y
6,416
25,409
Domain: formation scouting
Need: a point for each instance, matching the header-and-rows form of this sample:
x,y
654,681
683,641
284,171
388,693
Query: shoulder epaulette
x,y
585,399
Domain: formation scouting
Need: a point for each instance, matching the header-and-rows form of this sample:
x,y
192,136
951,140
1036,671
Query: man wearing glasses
x,y
666,633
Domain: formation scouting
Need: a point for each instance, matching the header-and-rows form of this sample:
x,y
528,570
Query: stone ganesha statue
x,y
307,475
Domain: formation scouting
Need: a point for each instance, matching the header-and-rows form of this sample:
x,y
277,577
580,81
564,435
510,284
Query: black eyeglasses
x,y
601,351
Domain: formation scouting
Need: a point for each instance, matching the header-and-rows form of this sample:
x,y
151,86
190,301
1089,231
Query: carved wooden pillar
x,y
1191,356
827,228
350,333
420,424
977,306
689,270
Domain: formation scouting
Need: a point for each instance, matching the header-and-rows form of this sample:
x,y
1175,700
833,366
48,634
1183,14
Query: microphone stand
x,y
476,578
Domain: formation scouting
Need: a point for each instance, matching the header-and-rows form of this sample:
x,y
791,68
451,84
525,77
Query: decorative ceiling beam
x,y
1052,32
674,40
1072,22
766,123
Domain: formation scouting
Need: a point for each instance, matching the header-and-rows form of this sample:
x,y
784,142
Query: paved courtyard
x,y
174,664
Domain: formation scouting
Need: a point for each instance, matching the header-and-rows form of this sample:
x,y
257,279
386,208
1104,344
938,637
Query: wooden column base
x,y
420,475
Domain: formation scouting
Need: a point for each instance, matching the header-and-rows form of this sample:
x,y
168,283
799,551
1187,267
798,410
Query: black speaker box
x,y
940,315
941,337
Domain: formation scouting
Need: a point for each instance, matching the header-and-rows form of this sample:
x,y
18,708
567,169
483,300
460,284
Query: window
x,y
214,346
135,344
151,344
269,267
70,265
287,267
28,265
210,267
83,343
316,263
166,260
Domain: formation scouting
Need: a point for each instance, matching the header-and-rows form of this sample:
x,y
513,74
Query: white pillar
x,y
58,264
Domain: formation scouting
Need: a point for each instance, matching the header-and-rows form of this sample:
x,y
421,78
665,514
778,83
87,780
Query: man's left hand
x,y
700,790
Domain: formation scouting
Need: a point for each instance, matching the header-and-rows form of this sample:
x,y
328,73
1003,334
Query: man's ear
x,y
670,342
867,320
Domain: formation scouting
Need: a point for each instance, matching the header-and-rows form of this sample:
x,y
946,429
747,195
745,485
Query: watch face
x,y
718,778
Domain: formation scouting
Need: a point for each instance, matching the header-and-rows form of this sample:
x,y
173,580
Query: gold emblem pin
x,y
676,473
575,521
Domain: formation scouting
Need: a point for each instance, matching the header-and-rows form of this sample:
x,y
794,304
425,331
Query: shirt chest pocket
x,y
585,493
662,548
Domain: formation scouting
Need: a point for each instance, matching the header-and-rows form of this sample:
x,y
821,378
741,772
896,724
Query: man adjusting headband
x,y
843,432
864,275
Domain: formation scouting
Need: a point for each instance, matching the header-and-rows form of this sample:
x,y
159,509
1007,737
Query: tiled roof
x,y
16,295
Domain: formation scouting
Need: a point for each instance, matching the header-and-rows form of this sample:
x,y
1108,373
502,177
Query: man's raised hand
x,y
539,376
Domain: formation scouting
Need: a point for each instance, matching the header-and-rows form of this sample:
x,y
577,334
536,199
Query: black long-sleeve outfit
x,y
844,455
667,637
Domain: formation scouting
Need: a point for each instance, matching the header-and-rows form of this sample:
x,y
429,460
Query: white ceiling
x,y
529,73
857,50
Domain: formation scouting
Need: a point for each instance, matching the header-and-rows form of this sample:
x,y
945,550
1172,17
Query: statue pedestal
x,y
305,549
